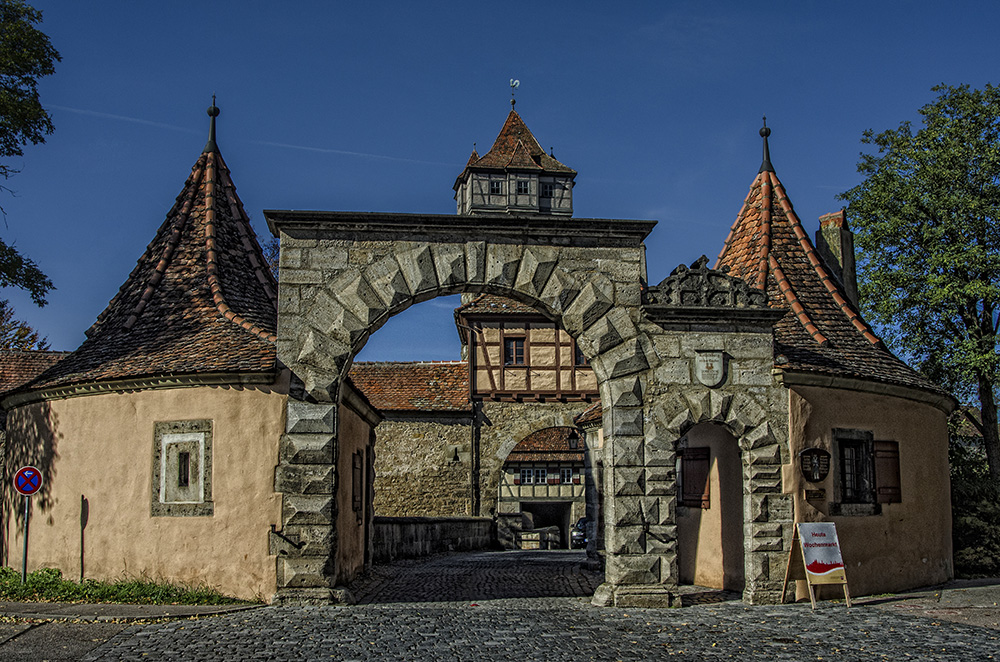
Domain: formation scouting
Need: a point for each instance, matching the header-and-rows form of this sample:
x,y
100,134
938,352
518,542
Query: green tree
x,y
15,334
25,56
927,218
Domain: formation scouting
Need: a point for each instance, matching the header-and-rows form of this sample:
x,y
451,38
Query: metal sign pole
x,y
24,555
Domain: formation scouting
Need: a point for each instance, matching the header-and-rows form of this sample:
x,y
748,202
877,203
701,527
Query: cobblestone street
x,y
535,606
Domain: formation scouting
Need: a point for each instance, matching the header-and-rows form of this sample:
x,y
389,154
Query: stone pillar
x,y
306,477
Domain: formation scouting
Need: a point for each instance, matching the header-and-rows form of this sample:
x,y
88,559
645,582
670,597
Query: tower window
x,y
183,469
522,187
513,351
547,189
496,187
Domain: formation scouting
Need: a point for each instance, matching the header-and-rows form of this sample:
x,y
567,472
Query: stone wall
x,y
412,537
416,474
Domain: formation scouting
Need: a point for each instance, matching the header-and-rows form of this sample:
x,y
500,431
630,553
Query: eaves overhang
x,y
24,397
789,378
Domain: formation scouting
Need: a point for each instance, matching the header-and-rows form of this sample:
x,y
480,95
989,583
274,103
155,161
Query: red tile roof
x,y
200,299
493,304
414,386
516,149
822,332
593,413
18,367
547,445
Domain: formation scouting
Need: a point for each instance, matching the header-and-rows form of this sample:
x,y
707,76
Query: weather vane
x,y
514,84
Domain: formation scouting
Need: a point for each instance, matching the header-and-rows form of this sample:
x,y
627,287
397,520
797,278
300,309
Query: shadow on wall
x,y
31,439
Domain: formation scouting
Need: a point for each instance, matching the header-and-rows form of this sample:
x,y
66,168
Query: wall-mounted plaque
x,y
815,464
815,495
710,368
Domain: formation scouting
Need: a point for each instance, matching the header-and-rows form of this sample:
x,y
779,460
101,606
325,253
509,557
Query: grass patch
x,y
48,585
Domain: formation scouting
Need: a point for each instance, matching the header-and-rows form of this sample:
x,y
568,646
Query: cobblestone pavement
x,y
515,606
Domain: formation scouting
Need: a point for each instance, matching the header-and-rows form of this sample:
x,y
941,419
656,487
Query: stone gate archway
x,y
344,274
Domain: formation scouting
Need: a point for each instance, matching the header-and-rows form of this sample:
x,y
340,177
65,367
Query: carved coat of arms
x,y
710,368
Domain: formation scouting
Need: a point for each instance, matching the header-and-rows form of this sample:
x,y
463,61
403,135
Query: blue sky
x,y
375,106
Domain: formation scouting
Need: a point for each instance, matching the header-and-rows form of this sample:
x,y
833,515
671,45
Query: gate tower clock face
x,y
815,464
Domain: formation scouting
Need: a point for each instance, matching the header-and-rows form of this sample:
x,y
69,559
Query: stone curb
x,y
111,612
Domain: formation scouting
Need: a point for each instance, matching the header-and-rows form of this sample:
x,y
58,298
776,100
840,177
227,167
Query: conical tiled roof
x,y
516,148
822,332
200,299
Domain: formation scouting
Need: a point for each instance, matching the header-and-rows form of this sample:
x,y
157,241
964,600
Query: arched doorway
x,y
710,508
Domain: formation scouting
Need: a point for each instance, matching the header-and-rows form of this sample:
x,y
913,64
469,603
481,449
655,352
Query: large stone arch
x,y
343,275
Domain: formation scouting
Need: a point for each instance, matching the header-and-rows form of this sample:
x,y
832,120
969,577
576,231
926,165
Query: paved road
x,y
532,606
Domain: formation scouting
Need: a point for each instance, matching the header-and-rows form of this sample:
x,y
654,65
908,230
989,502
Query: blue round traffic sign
x,y
28,480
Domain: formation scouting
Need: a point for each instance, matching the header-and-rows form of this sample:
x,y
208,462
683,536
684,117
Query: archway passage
x,y
344,274
542,490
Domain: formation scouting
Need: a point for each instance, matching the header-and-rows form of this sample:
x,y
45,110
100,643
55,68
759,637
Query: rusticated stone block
x,y
387,280
559,292
309,418
660,540
358,296
475,261
536,267
314,540
627,451
589,305
306,448
627,391
449,263
765,545
304,571
611,330
307,509
626,569
502,263
628,481
330,316
625,422
304,478
660,481
417,266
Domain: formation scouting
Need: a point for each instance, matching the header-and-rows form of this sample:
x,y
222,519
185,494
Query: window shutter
x,y
695,463
887,483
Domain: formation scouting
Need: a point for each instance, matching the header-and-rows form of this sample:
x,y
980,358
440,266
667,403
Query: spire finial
x,y
514,84
766,166
213,112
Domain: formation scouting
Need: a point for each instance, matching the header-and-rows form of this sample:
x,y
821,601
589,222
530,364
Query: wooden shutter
x,y
887,487
695,463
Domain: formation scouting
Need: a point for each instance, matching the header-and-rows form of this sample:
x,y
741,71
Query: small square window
x,y
513,351
547,189
522,187
541,476
496,187
565,475
182,469
526,476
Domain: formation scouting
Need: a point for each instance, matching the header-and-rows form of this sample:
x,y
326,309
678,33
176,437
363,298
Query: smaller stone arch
x,y
528,428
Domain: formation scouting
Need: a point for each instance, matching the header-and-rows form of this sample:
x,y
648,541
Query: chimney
x,y
835,244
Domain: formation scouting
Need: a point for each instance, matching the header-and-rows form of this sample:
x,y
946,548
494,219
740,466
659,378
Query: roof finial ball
x,y
765,165
213,112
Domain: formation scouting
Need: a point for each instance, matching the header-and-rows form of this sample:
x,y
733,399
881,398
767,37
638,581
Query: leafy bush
x,y
48,585
975,511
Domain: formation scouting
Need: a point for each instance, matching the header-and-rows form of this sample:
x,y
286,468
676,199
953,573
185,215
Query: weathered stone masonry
x,y
344,274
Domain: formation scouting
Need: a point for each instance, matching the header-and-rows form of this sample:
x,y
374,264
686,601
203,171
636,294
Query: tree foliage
x,y
26,55
15,334
927,218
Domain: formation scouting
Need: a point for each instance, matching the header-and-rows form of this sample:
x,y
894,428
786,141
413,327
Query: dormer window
x,y
496,187
522,187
